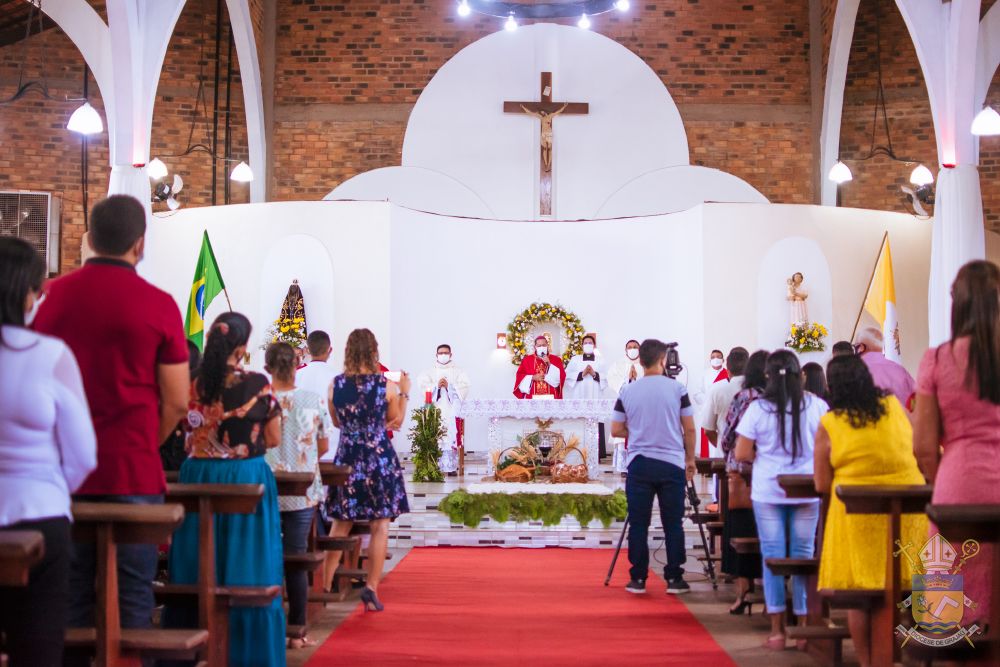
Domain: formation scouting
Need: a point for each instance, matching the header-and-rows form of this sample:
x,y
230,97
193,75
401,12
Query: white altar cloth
x,y
591,488
581,414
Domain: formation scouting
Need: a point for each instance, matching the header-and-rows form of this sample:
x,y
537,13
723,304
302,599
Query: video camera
x,y
673,367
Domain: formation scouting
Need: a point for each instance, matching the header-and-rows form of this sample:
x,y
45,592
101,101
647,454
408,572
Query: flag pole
x,y
881,248
228,302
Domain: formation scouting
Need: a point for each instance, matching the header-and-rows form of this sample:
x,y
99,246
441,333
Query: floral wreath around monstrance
x,y
536,313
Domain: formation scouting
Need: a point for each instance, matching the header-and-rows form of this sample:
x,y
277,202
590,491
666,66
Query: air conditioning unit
x,y
34,217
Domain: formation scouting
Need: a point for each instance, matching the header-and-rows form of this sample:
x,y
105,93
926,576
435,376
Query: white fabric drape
x,y
957,238
129,180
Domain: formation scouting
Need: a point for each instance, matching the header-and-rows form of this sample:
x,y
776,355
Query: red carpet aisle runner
x,y
538,607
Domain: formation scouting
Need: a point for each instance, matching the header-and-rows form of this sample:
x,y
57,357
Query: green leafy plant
x,y
426,434
470,509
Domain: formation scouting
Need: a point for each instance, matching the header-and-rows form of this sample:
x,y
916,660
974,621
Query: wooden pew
x,y
958,523
334,476
894,501
108,525
297,484
20,550
214,601
824,639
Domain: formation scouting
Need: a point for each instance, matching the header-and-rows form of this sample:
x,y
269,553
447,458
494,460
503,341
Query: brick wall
x,y
738,56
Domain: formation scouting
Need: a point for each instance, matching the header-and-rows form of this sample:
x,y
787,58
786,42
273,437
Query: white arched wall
x,y
416,188
787,256
833,101
457,126
301,257
677,189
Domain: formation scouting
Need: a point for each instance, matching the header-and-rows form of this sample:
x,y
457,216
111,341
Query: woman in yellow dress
x,y
866,438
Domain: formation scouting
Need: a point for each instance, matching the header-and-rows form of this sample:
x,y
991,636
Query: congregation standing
x,y
101,391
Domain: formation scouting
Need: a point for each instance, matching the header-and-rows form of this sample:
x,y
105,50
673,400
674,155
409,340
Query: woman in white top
x,y
777,433
47,449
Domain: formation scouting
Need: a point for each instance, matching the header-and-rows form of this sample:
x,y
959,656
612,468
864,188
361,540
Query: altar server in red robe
x,y
716,373
540,374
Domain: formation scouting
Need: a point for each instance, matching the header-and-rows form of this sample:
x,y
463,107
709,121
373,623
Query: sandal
x,y
775,643
301,642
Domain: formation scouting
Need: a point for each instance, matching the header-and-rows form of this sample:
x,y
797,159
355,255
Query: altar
x,y
508,420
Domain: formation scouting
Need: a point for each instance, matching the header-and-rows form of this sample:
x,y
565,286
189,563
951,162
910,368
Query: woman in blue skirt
x,y
232,420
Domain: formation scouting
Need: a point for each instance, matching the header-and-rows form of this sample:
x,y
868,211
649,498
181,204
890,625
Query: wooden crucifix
x,y
545,111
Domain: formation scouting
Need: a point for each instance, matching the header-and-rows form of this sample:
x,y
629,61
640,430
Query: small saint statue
x,y
546,139
797,296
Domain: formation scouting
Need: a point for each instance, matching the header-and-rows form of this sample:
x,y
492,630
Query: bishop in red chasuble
x,y
540,374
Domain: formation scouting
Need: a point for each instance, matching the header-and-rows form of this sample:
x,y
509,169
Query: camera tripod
x,y
708,566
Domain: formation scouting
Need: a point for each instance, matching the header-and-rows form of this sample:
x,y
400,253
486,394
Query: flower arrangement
x,y
544,312
807,337
291,330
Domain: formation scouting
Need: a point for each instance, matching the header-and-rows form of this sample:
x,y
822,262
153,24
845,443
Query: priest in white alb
x,y
448,386
586,378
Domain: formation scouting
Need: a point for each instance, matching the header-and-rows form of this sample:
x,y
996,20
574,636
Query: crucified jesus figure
x,y
546,119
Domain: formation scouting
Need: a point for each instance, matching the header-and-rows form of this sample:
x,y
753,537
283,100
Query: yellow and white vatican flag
x,y
881,302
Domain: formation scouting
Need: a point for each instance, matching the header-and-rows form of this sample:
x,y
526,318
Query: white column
x,y
833,99
946,37
253,98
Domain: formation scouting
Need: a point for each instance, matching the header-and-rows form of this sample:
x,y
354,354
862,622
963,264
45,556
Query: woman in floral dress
x,y
363,404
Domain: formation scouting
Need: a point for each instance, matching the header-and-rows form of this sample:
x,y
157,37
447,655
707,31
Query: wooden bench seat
x,y
834,634
309,561
20,550
148,643
704,465
745,545
233,596
839,598
798,486
704,517
293,483
788,567
348,543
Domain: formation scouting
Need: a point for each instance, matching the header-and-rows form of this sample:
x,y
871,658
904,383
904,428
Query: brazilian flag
x,y
206,286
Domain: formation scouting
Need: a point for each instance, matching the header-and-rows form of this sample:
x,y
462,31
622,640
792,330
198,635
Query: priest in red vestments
x,y
540,374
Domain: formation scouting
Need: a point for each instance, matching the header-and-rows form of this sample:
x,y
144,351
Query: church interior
x,y
451,253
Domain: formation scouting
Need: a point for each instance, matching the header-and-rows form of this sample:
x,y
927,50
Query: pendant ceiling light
x,y
986,123
85,120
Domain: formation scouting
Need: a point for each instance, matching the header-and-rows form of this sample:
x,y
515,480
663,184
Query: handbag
x,y
739,491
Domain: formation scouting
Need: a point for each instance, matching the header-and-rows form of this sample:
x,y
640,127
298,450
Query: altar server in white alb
x,y
585,374
623,373
448,386
586,378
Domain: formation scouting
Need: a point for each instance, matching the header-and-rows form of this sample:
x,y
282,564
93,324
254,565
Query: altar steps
x,y
424,525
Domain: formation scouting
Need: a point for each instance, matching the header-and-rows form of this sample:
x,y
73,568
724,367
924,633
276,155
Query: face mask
x,y
632,353
29,316
541,350
588,348
444,358
716,363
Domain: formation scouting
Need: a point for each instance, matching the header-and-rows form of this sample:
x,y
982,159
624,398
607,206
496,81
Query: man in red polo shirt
x,y
129,341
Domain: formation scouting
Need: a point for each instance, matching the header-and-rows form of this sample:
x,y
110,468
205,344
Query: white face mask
x,y
444,358
541,350
588,348
632,353
29,316
716,363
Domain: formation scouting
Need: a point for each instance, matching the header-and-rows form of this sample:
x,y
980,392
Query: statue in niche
x,y
797,296
546,138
